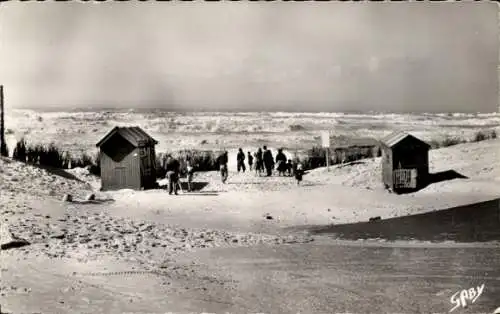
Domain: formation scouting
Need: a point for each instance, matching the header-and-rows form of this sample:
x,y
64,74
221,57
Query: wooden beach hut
x,y
127,159
405,162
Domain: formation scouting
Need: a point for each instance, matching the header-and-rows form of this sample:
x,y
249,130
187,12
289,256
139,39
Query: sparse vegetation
x,y
52,156
481,135
89,162
484,135
4,150
201,160
296,127
316,157
451,141
19,152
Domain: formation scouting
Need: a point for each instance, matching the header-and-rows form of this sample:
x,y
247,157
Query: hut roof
x,y
135,135
395,138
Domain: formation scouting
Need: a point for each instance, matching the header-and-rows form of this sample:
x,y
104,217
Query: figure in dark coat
x,y
222,161
259,162
268,161
240,159
281,162
250,161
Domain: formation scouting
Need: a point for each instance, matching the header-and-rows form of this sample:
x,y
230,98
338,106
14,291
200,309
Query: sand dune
x,y
477,161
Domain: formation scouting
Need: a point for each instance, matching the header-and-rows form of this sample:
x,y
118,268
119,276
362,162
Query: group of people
x,y
264,163
173,169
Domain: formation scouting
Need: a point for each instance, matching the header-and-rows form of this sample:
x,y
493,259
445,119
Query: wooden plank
x,y
405,178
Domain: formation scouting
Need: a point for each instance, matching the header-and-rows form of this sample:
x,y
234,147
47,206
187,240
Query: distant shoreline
x,y
242,111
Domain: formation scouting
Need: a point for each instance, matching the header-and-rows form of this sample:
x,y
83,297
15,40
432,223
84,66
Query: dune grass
x,y
202,160
52,156
479,136
316,157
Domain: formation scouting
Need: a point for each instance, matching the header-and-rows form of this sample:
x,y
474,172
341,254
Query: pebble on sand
x,y
67,198
58,236
90,197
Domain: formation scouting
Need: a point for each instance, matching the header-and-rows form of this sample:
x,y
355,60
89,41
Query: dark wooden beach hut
x,y
405,162
127,159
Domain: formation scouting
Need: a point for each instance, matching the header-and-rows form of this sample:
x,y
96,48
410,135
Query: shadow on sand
x,y
92,202
196,189
57,172
430,179
444,176
352,163
245,183
195,186
478,222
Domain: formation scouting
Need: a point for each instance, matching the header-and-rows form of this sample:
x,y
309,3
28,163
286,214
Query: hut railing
x,y
405,178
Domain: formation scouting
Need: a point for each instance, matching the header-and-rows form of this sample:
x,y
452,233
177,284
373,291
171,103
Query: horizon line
x,y
56,108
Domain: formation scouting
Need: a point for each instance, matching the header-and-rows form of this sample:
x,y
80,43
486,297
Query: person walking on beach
x,y
222,161
289,168
268,161
299,172
259,162
190,174
250,161
281,162
240,159
172,167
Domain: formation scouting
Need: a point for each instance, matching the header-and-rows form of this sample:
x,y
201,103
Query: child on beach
x,y
299,172
289,168
190,174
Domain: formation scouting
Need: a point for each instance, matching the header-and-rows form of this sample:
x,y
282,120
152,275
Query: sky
x,y
251,56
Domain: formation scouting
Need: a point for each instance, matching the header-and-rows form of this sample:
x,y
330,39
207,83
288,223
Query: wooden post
x,y
498,205
327,159
325,143
3,145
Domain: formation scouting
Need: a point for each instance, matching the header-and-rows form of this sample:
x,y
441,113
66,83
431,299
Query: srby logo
x,y
465,297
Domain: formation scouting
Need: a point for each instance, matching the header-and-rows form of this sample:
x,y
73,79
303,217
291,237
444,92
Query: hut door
x,y
121,177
